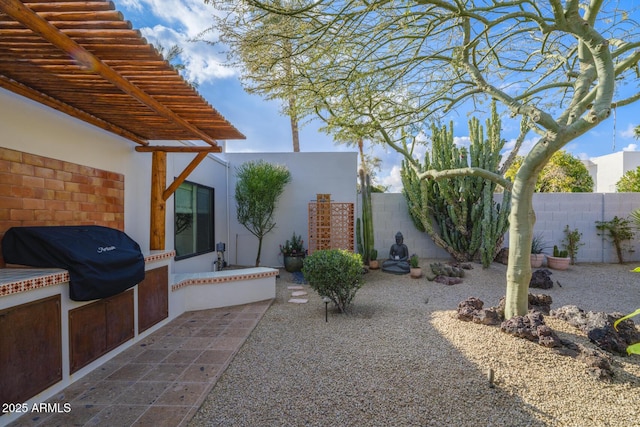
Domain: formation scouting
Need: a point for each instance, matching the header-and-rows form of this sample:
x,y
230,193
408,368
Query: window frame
x,y
195,188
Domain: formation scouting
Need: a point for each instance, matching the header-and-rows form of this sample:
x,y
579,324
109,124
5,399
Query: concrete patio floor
x,y
161,380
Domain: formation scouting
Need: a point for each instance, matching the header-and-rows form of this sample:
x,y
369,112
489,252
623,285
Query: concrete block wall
x,y
553,212
390,215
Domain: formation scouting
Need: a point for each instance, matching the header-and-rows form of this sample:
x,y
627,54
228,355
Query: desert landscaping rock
x,y
599,328
541,279
402,358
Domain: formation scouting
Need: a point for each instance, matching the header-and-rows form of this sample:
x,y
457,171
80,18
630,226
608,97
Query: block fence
x,y
553,212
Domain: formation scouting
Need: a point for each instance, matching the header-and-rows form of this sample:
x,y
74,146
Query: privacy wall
x,y
553,211
311,174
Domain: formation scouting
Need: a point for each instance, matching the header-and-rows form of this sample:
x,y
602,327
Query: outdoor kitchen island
x,y
48,340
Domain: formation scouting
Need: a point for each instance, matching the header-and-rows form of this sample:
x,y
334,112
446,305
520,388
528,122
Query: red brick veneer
x,y
36,190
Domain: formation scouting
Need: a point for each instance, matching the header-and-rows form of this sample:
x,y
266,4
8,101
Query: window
x,y
194,220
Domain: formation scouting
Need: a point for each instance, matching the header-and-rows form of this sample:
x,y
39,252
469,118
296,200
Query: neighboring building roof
x,y
83,59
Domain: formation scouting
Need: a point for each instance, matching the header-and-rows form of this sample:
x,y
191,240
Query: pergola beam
x,y
23,14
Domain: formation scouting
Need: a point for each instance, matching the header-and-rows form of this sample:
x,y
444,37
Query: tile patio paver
x,y
161,380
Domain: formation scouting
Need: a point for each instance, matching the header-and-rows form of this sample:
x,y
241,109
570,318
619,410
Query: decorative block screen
x,y
330,224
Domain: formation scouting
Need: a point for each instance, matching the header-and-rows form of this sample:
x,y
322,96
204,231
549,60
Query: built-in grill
x,y
101,261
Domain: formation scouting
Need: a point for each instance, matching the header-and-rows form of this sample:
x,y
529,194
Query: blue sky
x,y
169,22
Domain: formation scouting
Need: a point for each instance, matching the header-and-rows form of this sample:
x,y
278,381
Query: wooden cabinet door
x,y
99,327
30,349
153,298
87,334
119,317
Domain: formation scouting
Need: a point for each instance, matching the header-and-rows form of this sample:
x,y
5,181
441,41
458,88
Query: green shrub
x,y
336,274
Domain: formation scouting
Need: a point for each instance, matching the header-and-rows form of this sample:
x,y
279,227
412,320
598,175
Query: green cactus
x,y
360,248
459,213
367,217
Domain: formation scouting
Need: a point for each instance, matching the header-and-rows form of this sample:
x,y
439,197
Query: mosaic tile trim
x,y
221,279
23,280
30,284
159,256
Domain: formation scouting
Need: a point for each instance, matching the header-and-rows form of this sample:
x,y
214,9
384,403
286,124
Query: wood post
x,y
158,202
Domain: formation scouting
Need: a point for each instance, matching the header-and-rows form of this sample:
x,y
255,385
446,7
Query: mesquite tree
x,y
258,188
386,67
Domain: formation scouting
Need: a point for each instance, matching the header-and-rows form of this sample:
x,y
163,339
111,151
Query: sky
x,y
176,22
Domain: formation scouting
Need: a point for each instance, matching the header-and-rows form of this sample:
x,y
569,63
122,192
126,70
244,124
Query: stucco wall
x,y
553,212
311,173
29,127
607,170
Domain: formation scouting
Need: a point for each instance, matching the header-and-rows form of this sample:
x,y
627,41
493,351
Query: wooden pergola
x,y
82,58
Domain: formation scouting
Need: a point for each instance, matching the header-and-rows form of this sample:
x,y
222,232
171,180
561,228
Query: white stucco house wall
x,y
607,170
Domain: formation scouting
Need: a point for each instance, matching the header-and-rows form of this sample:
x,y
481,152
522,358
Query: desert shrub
x,y
336,274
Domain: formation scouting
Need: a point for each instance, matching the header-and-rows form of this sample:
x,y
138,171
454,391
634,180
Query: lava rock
x,y
540,279
599,328
540,302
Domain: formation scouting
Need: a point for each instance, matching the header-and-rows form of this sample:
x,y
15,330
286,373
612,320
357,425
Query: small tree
x,y
259,186
630,182
618,231
563,174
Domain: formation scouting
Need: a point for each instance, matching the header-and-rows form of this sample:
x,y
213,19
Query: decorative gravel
x,y
400,358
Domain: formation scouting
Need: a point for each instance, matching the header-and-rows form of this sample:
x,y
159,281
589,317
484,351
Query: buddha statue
x,y
398,262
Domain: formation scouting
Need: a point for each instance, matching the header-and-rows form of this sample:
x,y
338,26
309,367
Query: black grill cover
x,y
101,261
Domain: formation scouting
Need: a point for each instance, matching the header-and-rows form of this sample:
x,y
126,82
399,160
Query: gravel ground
x,y
400,358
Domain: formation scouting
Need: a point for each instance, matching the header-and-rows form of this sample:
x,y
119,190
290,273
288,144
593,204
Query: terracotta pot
x,y
558,263
415,272
374,264
537,260
293,263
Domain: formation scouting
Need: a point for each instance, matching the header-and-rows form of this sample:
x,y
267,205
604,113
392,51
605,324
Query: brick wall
x,y
37,190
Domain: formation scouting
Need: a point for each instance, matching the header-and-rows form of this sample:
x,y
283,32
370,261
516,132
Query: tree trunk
x,y
521,220
295,135
259,252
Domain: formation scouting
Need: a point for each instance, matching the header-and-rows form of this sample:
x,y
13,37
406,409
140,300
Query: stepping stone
x,y
298,293
299,300
295,288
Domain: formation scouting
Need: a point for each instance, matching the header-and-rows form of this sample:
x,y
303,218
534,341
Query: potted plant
x,y
373,260
560,259
415,271
293,253
537,247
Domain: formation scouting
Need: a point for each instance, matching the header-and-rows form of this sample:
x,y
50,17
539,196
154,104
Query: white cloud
x,y
393,180
629,132
461,141
526,146
179,21
631,147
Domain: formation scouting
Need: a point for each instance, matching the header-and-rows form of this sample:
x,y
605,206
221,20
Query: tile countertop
x,y
21,279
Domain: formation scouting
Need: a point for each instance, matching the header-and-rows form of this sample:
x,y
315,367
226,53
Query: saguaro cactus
x,y
367,217
459,213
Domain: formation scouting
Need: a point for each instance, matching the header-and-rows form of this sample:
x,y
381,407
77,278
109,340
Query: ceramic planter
x,y
558,263
293,263
537,260
374,264
415,272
